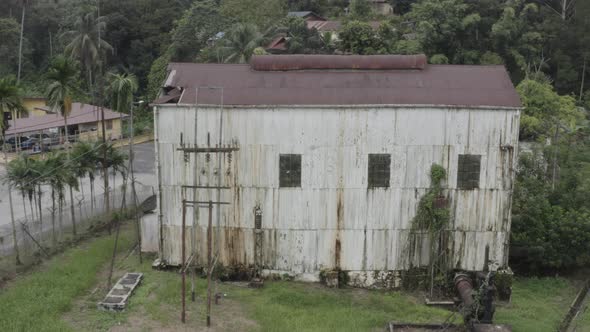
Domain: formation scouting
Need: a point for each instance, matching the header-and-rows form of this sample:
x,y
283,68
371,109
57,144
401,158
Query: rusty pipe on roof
x,y
364,62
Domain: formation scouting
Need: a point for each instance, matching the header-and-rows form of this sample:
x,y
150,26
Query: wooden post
x,y
583,78
209,267
183,316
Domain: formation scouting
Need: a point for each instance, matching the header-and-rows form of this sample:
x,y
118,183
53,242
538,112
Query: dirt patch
x,y
147,310
227,316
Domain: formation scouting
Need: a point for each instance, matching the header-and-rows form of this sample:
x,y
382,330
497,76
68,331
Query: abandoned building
x,y
324,160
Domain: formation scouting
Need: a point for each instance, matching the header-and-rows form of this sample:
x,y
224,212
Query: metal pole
x,y
219,175
104,138
183,316
20,47
195,210
135,201
209,267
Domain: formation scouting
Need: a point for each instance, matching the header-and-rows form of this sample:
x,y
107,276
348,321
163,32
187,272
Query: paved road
x,y
144,166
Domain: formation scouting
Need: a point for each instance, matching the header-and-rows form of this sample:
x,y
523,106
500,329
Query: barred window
x,y
289,170
468,171
379,166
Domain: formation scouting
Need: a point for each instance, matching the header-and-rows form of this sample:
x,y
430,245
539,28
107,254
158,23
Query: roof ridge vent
x,y
325,62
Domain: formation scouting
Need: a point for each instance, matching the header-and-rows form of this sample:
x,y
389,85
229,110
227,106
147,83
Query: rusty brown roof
x,y
450,85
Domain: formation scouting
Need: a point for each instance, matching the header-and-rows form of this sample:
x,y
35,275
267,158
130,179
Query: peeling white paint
x,y
301,225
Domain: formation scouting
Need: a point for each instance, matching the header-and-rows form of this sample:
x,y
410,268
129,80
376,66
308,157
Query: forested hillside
x,y
544,44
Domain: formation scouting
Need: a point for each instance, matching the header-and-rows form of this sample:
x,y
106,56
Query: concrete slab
x,y
118,296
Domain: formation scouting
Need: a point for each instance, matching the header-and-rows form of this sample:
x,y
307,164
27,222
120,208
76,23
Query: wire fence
x,y
36,234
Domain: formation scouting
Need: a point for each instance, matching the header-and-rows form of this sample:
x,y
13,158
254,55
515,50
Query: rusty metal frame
x,y
196,204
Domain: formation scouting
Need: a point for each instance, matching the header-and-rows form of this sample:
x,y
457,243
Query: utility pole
x,y
105,168
20,47
132,173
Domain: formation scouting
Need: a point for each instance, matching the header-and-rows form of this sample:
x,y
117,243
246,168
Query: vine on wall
x,y
433,213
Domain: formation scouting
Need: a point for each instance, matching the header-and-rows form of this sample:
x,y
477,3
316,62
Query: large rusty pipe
x,y
464,287
303,62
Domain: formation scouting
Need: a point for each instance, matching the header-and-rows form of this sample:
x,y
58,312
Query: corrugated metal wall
x,y
333,220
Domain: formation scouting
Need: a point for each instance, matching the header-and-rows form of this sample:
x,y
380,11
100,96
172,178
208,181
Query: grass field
x,y
37,300
280,305
61,295
537,304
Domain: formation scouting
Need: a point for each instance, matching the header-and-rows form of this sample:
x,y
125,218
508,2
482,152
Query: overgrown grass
x,y
288,306
583,324
59,296
292,306
36,301
538,304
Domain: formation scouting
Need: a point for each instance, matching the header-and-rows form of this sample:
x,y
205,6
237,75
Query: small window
x,y
109,124
290,170
379,166
468,171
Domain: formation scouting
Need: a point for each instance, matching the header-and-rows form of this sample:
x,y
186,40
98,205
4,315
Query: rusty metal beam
x,y
206,202
208,150
205,187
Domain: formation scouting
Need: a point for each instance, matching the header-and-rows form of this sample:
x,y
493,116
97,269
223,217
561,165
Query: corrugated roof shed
x,y
450,85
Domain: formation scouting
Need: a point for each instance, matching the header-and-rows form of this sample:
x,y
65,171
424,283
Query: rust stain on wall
x,y
339,223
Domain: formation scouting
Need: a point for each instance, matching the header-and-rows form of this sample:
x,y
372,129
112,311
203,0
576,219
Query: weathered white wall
x,y
333,220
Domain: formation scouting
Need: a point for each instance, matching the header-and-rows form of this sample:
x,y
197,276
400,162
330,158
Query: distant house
x,y
35,106
306,15
84,121
278,45
211,41
382,7
334,27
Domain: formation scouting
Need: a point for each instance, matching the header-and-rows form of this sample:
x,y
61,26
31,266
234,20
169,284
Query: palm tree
x,y
63,83
115,161
83,160
85,45
240,42
10,101
121,88
38,169
88,154
71,179
22,175
55,177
